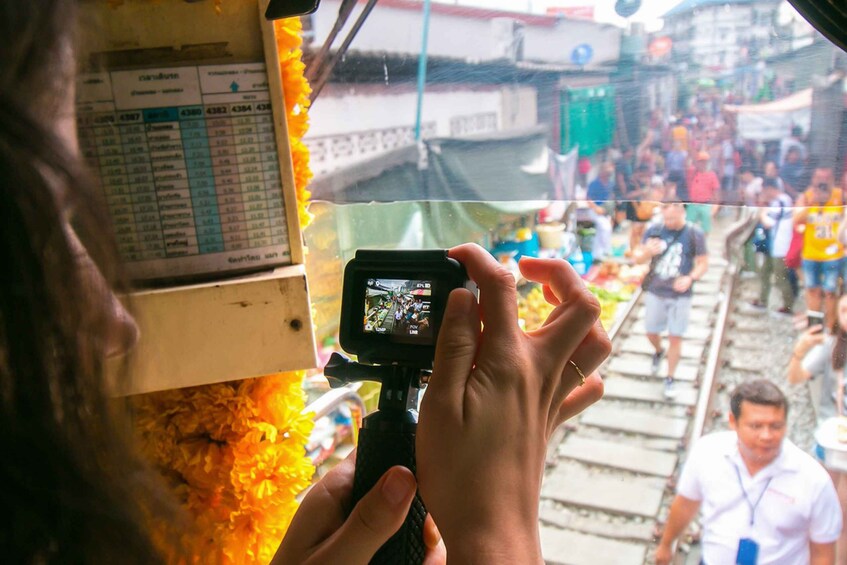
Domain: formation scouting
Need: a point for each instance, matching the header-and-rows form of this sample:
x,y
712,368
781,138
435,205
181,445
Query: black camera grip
x,y
378,451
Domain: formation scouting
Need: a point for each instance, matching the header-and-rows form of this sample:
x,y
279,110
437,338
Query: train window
x,y
688,160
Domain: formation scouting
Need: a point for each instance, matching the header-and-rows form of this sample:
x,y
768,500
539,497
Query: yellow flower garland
x,y
234,453
297,90
234,456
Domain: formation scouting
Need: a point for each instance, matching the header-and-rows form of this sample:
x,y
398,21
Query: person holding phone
x,y
819,355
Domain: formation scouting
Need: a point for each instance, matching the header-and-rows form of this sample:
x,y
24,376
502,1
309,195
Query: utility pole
x,y
422,69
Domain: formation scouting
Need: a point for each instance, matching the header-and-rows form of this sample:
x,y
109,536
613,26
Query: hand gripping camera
x,y
392,306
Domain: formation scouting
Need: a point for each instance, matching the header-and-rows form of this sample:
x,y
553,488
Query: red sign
x,y
572,12
660,46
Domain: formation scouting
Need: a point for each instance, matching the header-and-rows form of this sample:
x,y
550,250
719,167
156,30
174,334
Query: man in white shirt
x,y
751,186
776,219
763,500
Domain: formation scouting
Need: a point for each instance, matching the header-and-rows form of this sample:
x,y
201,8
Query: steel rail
x,y
328,401
623,318
708,384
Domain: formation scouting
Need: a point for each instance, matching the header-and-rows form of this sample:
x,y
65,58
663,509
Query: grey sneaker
x,y
670,389
657,360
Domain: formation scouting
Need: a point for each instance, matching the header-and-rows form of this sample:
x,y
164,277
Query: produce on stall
x,y
533,308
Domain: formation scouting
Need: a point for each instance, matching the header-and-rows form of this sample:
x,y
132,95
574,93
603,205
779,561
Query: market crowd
x,y
667,191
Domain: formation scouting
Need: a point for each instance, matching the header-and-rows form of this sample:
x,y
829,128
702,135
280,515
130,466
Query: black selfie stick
x,y
387,438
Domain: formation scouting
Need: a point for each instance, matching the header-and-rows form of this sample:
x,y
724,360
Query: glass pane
x,y
687,160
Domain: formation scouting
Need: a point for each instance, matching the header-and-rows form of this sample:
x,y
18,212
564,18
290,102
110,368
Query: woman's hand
x,y
809,339
322,531
494,399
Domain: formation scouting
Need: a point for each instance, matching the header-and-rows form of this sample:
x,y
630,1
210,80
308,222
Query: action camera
x,y
393,303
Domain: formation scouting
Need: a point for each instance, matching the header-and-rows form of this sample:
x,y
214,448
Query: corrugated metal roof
x,y
689,5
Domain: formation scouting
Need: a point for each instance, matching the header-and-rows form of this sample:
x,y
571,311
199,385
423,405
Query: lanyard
x,y
747,498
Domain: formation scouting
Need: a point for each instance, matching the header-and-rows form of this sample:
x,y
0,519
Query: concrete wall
x,y
350,124
394,26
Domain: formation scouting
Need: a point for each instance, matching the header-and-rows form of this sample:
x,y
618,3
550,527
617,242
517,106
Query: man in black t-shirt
x,y
677,252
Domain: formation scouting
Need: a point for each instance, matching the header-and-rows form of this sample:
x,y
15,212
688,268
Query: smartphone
x,y
815,318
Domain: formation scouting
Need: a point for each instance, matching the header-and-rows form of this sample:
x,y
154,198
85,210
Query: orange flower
x,y
234,455
296,90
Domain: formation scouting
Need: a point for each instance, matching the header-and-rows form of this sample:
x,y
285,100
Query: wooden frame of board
x,y
230,328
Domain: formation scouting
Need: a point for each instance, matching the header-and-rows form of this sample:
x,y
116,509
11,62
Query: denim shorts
x,y
662,313
822,274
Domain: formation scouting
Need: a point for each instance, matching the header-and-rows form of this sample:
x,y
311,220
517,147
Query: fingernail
x,y
397,487
461,302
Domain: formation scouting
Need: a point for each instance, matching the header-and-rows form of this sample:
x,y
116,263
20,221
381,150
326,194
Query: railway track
x,y
610,474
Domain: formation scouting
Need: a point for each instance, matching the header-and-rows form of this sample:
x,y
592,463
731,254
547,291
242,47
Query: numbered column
x,y
113,172
249,169
227,180
173,196
87,141
201,179
270,174
142,192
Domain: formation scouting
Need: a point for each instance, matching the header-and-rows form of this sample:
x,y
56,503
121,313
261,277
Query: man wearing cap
x,y
763,500
818,213
703,191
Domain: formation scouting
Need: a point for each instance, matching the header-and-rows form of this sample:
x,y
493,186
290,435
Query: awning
x,y
797,101
773,120
504,166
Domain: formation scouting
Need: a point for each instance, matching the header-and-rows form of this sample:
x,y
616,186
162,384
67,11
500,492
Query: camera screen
x,y
398,307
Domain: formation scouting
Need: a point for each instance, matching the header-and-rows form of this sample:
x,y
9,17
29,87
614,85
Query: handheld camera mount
x,y
387,438
392,306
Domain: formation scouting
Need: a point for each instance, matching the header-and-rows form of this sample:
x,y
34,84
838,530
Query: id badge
x,y
748,552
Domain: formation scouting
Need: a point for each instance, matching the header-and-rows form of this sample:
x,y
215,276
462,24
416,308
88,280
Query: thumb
x,y
376,517
458,339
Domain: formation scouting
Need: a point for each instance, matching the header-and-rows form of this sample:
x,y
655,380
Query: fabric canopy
x,y
505,166
774,120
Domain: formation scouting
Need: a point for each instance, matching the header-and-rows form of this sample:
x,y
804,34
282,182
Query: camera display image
x,y
398,307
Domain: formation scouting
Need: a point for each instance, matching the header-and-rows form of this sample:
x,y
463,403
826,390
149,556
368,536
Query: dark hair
x,y
759,391
73,488
839,351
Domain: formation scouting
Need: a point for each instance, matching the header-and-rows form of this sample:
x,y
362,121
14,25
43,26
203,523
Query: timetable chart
x,y
188,161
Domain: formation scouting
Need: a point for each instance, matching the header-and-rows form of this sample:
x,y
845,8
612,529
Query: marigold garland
x,y
234,453
288,42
